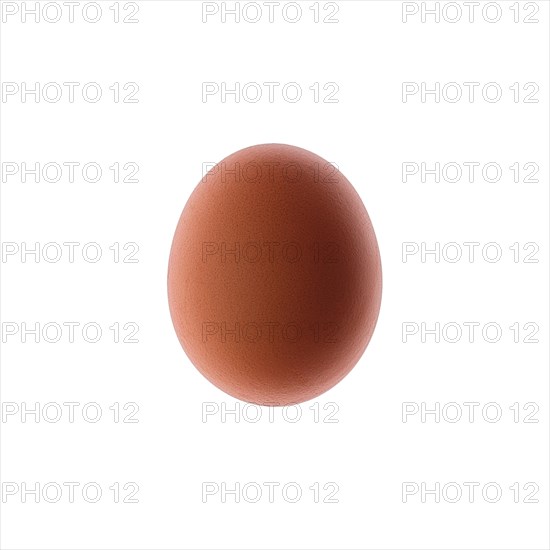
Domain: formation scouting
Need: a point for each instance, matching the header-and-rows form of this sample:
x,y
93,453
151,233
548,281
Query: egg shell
x,y
274,278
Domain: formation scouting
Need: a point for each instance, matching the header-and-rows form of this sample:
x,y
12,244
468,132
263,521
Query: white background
x,y
369,451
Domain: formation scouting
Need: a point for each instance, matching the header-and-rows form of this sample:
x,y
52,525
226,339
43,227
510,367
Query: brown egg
x,y
274,279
